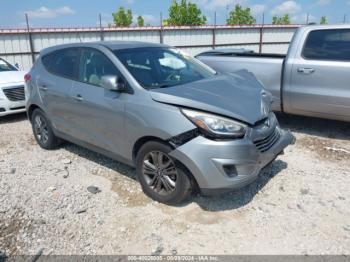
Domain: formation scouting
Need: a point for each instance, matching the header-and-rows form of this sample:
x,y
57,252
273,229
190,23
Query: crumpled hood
x,y
237,95
9,77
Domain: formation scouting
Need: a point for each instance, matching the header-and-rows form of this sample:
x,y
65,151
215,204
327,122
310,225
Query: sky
x,y
80,13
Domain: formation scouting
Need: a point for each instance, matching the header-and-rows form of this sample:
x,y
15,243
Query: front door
x,y
320,79
98,112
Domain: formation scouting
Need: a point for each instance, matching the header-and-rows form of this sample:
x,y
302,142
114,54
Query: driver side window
x,y
94,65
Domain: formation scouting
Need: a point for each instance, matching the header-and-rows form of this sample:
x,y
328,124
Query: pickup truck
x,y
313,79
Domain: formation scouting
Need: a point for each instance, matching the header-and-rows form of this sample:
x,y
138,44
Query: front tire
x,y
161,177
43,132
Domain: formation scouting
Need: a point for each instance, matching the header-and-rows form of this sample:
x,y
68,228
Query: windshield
x,y
155,67
4,66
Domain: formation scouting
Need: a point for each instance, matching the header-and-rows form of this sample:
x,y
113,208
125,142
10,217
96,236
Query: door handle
x,y
78,98
43,87
306,70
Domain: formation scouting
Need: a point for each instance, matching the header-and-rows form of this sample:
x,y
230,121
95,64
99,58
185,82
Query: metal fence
x,y
23,45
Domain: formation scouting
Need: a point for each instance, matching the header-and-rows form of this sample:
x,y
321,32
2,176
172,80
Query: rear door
x,y
98,113
55,86
320,79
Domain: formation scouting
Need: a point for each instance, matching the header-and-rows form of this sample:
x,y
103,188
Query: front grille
x,y
15,93
265,144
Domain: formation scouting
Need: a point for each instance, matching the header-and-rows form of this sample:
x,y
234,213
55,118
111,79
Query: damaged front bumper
x,y
220,166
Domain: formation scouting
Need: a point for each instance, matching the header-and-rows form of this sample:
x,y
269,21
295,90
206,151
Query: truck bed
x,y
266,67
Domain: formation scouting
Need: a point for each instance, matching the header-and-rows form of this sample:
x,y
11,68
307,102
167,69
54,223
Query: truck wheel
x,y
43,132
161,178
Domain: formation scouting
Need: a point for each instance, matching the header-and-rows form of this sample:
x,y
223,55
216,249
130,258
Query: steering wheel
x,y
174,76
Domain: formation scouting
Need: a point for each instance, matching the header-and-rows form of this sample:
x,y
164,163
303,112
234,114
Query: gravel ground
x,y
299,205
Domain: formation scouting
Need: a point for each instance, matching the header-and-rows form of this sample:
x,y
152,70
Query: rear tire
x,y
161,177
43,131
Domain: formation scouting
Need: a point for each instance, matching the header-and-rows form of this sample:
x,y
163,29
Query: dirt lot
x,y
299,205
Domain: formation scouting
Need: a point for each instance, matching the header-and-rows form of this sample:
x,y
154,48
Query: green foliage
x,y
185,14
324,20
140,21
241,16
122,17
283,20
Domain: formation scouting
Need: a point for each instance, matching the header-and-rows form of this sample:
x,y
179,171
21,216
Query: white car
x,y
12,97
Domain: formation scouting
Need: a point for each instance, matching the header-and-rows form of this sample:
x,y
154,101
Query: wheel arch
x,y
143,140
31,109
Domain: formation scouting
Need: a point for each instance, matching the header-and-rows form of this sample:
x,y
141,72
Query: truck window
x,y
330,45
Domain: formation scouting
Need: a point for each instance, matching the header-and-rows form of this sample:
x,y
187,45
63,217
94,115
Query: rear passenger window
x,y
94,65
62,63
331,45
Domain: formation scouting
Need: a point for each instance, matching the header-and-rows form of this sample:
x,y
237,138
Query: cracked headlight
x,y
214,125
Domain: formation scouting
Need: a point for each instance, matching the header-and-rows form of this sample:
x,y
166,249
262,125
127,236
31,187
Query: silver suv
x,y
182,125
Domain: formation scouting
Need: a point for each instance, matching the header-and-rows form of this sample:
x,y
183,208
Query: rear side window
x,y
63,62
333,45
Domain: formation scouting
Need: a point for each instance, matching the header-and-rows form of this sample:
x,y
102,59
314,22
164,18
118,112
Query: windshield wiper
x,y
164,86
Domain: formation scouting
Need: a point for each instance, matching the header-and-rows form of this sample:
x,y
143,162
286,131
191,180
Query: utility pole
x,y
344,21
214,31
30,39
263,19
307,18
161,29
261,34
101,29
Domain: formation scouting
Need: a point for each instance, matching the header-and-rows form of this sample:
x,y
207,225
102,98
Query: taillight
x,y
27,77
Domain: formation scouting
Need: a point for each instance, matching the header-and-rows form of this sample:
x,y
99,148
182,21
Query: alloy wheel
x,y
41,129
160,172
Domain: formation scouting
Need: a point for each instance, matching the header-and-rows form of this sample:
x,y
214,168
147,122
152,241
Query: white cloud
x,y
258,9
287,7
47,13
217,4
150,19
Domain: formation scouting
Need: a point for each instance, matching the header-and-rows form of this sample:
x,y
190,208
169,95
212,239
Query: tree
x,y
184,13
122,17
283,20
323,20
240,16
140,21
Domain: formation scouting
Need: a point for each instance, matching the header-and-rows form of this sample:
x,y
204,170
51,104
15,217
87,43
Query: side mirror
x,y
113,83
